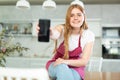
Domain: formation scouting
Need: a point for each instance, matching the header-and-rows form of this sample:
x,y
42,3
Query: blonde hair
x,y
68,28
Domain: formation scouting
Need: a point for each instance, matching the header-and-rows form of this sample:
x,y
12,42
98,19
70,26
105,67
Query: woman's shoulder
x,y
88,35
88,32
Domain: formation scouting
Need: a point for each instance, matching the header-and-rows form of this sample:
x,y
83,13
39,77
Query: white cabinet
x,y
95,26
38,62
17,62
22,62
111,65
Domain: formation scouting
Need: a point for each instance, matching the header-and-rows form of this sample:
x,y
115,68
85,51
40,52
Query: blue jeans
x,y
63,72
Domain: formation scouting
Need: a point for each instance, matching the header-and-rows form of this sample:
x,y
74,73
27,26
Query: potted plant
x,y
7,47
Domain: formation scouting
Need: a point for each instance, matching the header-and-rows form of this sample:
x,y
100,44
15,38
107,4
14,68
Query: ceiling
x,y
39,2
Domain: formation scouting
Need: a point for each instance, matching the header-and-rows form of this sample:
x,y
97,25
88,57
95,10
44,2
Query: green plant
x,y
7,47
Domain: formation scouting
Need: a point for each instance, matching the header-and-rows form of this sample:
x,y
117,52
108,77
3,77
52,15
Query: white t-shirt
x,y
87,36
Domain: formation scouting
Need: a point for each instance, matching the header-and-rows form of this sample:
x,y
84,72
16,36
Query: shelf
x,y
18,29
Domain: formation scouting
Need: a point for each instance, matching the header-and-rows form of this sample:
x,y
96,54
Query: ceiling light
x,y
23,4
48,4
78,2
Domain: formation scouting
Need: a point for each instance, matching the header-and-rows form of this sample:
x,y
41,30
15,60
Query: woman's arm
x,y
56,32
80,62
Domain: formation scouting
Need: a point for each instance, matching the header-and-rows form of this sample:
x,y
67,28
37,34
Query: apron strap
x,y
79,41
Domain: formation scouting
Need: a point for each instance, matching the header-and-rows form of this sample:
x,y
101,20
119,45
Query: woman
x,y
76,45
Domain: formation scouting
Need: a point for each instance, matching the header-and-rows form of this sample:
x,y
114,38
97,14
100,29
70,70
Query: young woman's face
x,y
77,18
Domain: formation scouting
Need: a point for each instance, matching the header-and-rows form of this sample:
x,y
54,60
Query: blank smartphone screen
x,y
43,35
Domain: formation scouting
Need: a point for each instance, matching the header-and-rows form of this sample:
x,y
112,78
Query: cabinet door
x,y
111,65
38,62
95,26
17,62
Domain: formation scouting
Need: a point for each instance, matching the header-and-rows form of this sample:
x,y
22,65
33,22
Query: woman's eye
x,y
79,14
76,15
72,15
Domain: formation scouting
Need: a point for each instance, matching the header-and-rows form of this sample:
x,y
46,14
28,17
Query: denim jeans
x,y
62,72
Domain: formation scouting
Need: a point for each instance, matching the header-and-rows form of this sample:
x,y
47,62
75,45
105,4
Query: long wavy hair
x,y
68,28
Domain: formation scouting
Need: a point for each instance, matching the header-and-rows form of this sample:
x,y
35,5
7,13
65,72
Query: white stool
x,y
95,64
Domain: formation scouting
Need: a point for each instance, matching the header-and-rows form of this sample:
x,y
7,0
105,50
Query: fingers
x,y
58,61
37,28
50,31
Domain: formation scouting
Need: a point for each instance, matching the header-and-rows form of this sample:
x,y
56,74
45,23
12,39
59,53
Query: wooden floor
x,y
102,76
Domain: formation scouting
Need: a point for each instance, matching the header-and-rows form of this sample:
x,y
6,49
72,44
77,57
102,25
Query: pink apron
x,y
75,54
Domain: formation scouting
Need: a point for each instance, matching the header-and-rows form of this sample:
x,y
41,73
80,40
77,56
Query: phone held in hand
x,y
43,35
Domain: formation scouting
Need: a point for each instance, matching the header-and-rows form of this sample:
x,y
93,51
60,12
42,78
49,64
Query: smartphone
x,y
43,35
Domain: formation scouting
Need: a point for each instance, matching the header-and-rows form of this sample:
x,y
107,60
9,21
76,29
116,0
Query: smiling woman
x,y
74,50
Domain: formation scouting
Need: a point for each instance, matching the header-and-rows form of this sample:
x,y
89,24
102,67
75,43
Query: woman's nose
x,y
75,17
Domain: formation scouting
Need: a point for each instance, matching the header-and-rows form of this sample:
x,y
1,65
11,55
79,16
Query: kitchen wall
x,y
107,14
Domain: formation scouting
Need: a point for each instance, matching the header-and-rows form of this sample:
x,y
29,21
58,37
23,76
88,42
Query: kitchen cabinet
x,y
17,62
35,62
26,62
95,26
111,65
38,62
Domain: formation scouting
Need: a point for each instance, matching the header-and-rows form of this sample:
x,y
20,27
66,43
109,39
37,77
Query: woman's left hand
x,y
58,61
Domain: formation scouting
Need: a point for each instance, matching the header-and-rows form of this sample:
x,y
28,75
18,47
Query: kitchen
x,y
100,16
